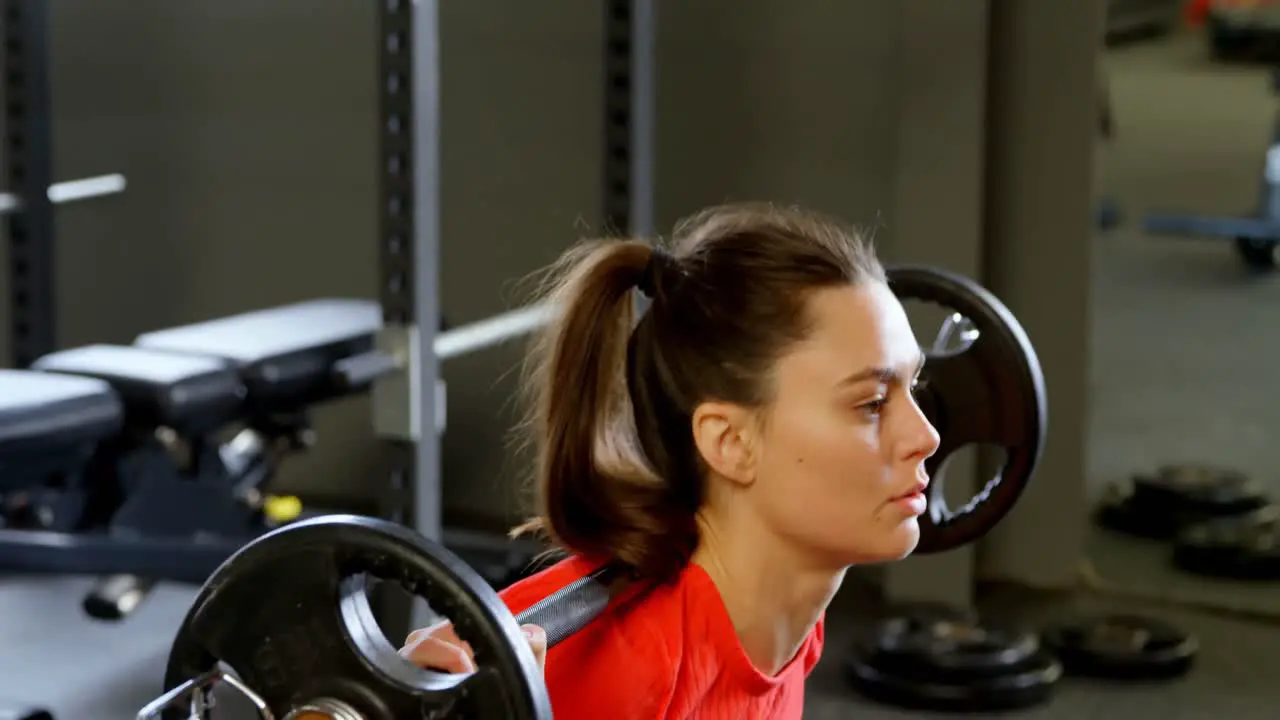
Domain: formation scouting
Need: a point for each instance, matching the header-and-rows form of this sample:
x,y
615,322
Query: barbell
x,y
286,621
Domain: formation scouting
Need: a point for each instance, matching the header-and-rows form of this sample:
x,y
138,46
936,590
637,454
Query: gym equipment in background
x,y
289,613
1244,547
1163,504
931,663
1256,238
139,482
113,463
1122,647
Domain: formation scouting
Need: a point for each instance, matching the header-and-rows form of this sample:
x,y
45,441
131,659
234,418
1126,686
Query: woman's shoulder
x,y
630,657
635,607
655,621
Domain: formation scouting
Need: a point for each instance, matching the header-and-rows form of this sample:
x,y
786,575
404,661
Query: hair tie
x,y
660,263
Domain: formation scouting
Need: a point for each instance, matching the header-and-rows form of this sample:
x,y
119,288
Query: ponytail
x,y
598,492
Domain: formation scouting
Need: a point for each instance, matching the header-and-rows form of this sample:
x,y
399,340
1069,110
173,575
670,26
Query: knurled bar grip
x,y
572,607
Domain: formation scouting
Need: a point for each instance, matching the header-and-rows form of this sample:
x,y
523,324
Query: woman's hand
x,y
439,648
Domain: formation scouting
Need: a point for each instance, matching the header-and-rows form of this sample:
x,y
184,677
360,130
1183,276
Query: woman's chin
x,y
891,546
901,541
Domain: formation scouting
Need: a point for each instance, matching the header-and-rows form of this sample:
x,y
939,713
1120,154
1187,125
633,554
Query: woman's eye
x,y
875,407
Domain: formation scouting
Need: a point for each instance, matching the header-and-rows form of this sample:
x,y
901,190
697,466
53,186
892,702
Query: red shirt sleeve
x,y
620,666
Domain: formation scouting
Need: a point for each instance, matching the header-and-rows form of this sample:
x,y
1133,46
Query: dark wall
x,y
788,102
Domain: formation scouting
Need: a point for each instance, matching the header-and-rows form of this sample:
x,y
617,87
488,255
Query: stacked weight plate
x,y
947,661
1221,522
930,661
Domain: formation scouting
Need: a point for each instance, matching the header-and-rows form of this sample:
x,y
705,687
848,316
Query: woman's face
x,y
840,465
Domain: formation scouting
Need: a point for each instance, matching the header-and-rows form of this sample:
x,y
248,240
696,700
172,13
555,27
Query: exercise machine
x,y
1256,238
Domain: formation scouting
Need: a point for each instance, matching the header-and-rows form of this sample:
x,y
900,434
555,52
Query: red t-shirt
x,y
670,653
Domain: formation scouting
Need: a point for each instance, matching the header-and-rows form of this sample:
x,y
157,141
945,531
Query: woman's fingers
x,y
442,630
538,643
436,654
438,647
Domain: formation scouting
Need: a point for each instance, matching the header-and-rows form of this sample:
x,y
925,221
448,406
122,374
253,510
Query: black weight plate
x,y
947,648
1119,512
1122,647
1238,548
961,668
990,392
289,614
1197,492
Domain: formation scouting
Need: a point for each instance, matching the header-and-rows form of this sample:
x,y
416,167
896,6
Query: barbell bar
x,y
491,331
70,191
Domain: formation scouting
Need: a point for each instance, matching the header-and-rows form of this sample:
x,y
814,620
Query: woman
x,y
737,449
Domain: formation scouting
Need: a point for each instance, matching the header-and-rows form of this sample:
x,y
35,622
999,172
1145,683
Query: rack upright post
x,y
28,170
409,242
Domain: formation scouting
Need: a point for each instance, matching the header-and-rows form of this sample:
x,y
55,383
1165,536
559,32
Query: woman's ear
x,y
725,435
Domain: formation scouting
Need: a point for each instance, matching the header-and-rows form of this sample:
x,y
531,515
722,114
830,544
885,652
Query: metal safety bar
x,y
70,191
367,368
492,331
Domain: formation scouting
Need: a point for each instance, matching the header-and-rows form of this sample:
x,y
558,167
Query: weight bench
x,y
263,369
51,425
290,357
193,396
166,477
64,426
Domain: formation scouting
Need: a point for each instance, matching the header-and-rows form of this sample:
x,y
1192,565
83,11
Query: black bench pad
x,y
286,354
42,413
188,393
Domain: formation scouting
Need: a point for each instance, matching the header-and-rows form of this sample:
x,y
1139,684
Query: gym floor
x,y
1180,332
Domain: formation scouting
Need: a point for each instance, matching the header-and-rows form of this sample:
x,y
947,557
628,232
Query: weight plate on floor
x,y
1197,491
951,647
1239,548
1128,647
1118,512
951,666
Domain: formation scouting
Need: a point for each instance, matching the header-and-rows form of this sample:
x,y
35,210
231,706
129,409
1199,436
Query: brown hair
x,y
618,477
